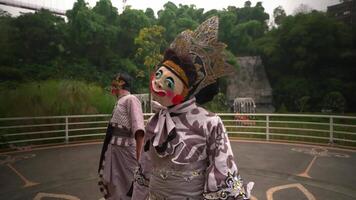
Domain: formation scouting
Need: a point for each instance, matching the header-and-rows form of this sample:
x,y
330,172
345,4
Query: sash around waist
x,y
122,136
122,141
121,132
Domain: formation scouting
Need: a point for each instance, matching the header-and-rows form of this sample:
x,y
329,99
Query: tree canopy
x,y
309,56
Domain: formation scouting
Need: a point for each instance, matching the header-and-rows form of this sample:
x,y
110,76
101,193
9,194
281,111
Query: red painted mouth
x,y
161,94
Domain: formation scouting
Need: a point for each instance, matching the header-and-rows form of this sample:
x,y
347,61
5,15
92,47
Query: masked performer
x,y
122,144
187,153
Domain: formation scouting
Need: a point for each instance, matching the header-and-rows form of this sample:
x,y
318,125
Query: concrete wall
x,y
250,80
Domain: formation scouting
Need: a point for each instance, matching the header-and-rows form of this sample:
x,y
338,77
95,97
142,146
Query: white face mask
x,y
166,87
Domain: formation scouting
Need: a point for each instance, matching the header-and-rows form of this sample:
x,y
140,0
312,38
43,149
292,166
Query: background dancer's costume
x,y
118,157
187,153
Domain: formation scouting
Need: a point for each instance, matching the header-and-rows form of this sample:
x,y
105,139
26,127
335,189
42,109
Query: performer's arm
x,y
223,180
143,172
139,143
137,123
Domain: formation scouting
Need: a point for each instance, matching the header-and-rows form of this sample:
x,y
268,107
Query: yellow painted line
x,y
253,198
305,173
272,190
28,183
291,144
41,195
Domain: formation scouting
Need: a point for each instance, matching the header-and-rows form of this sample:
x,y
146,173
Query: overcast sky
x,y
269,5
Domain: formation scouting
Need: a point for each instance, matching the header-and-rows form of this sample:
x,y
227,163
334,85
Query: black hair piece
x,y
207,94
185,62
127,79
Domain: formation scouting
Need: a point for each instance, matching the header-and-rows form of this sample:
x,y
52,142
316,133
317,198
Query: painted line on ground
x,y
27,182
306,171
272,190
41,195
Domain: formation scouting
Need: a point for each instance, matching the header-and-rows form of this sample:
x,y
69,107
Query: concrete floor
x,y
280,172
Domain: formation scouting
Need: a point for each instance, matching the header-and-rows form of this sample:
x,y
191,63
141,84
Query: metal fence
x,y
332,129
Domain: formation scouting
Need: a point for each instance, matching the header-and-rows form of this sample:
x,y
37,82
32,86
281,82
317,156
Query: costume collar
x,y
123,93
165,125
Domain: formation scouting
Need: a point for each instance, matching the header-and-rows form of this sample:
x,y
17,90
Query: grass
x,y
50,98
67,97
53,97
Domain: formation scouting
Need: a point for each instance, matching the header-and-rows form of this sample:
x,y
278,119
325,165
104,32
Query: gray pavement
x,y
280,172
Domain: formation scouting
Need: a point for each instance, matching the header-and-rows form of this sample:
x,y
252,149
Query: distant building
x,y
345,11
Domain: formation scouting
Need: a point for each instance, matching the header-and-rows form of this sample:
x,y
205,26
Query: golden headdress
x,y
206,51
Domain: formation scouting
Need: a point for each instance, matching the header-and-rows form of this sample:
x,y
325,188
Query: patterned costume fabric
x,y
195,162
187,153
116,170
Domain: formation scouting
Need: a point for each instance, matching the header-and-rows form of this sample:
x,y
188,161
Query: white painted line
x,y
306,171
270,191
28,183
320,152
41,195
317,152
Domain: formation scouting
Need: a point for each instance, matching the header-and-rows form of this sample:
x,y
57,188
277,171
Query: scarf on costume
x,y
165,139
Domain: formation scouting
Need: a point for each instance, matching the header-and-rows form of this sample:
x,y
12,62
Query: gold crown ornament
x,y
206,51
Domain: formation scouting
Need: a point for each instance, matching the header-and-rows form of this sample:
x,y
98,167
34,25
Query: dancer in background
x,y
122,144
187,152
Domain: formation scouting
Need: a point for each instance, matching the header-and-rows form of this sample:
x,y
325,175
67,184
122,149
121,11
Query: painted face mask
x,y
116,85
167,88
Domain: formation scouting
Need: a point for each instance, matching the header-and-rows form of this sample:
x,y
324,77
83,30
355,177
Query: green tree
x,y
256,12
7,40
177,19
131,22
240,27
247,4
279,14
310,47
151,16
93,35
39,37
334,101
150,42
106,9
303,103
